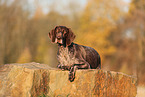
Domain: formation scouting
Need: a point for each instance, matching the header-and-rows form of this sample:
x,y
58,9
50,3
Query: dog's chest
x,y
67,56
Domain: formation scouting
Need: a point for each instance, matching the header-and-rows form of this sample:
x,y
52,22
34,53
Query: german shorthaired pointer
x,y
72,56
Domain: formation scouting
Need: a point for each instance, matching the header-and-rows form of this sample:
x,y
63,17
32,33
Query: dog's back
x,y
90,55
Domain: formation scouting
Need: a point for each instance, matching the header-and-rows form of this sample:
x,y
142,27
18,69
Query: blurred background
x,y
115,28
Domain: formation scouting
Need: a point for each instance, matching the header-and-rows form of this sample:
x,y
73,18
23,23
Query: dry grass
x,y
140,91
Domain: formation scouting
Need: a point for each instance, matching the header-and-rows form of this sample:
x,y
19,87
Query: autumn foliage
x,y
116,29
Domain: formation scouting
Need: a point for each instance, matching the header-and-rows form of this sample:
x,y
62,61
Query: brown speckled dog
x,y
72,56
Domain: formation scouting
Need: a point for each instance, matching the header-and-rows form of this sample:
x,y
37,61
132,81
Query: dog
x,y
72,56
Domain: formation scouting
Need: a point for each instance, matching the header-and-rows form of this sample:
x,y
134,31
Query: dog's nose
x,y
58,37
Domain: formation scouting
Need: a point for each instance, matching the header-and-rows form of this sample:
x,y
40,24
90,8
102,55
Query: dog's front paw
x,y
62,67
71,76
65,67
59,66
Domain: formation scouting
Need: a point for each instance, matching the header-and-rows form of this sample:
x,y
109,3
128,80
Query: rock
x,y
39,80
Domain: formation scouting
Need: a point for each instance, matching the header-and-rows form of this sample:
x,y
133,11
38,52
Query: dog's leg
x,y
72,73
62,67
83,65
75,67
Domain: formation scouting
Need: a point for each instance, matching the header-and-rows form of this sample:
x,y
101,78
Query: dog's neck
x,y
64,45
61,45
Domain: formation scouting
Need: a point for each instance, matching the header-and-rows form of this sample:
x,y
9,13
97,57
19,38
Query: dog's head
x,y
61,35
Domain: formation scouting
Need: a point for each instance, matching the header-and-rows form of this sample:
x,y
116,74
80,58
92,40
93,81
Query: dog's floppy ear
x,y
69,37
52,35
